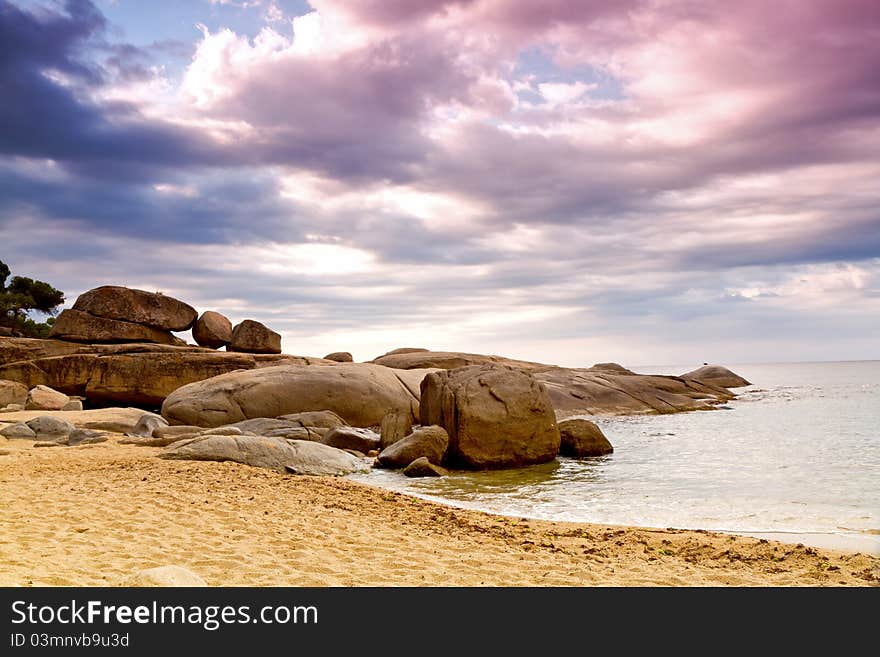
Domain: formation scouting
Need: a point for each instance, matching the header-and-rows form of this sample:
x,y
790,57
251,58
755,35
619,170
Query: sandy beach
x,y
92,515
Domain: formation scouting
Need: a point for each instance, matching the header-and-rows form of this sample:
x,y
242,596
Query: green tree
x,y
25,295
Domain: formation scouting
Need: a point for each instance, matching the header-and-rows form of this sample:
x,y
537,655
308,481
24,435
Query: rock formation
x,y
496,416
254,338
137,374
360,393
430,442
212,330
715,375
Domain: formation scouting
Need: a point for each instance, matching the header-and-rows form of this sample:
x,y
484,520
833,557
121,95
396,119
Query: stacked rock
x,y
111,314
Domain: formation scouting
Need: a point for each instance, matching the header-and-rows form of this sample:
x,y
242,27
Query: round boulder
x,y
422,467
496,416
212,330
582,438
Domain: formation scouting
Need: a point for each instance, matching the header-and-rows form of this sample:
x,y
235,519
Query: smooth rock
x,y
430,442
176,431
422,467
47,427
61,442
212,330
44,398
18,430
76,326
86,437
340,357
12,408
582,438
362,440
12,392
496,416
395,426
165,576
255,338
296,456
315,434
147,424
715,375
73,405
222,431
137,306
360,393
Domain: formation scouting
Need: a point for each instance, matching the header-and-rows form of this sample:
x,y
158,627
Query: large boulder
x,y
76,326
496,416
296,456
137,306
139,374
715,375
212,330
254,338
430,442
582,438
360,393
44,398
12,392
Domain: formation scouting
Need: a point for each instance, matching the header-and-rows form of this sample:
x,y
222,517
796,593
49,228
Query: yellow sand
x,y
92,515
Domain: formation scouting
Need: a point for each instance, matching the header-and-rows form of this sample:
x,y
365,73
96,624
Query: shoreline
x,y
850,542
96,514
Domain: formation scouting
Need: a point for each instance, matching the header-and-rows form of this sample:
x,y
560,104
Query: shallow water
x,y
797,454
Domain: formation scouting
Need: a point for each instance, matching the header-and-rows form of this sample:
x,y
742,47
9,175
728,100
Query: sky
x,y
640,181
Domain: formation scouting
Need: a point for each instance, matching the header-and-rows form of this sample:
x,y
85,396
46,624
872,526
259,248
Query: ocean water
x,y
795,457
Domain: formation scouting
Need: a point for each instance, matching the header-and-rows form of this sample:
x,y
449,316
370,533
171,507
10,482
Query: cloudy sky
x,y
645,181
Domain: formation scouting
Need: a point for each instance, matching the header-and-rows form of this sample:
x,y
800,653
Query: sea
x,y
795,457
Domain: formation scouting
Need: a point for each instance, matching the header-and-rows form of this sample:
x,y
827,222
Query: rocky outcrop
x,y
715,375
44,398
295,456
422,467
603,389
360,393
340,357
430,442
360,440
76,326
212,330
582,438
496,416
407,359
12,392
138,374
137,306
603,392
254,338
